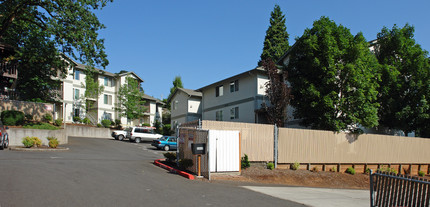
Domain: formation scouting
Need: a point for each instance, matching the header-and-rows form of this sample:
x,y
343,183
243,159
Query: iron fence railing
x,y
389,189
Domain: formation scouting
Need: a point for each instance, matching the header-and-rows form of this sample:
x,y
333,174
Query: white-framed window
x,y
218,115
234,113
108,81
175,104
107,99
75,94
76,112
234,86
219,91
76,74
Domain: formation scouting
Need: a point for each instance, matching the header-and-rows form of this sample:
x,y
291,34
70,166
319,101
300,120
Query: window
x,y
108,116
76,94
219,116
76,75
219,90
234,86
109,82
107,99
76,112
234,113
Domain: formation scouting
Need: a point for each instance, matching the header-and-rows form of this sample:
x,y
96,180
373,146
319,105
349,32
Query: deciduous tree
x,y
130,100
334,77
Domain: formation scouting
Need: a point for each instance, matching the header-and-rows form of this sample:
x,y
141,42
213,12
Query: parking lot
x,y
106,172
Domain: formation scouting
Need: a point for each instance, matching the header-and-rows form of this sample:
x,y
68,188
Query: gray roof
x,y
148,97
83,67
257,70
191,92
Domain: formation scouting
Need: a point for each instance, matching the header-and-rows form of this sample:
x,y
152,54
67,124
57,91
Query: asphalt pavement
x,y
106,172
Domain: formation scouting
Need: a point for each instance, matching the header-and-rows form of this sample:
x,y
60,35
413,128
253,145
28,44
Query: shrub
x,y
167,129
421,173
106,123
270,166
47,118
29,117
367,171
350,170
245,162
387,169
59,122
99,125
315,169
333,169
118,124
295,166
86,121
170,156
28,142
76,119
13,118
53,142
40,126
37,141
146,124
185,163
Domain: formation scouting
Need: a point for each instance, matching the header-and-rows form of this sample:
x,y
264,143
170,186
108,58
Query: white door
x,y
224,151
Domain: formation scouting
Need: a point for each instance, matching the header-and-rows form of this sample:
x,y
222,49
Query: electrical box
x,y
198,148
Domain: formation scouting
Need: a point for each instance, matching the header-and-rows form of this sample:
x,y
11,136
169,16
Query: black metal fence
x,y
389,189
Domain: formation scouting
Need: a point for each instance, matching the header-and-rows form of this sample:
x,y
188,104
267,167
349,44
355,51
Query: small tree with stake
x,y
278,93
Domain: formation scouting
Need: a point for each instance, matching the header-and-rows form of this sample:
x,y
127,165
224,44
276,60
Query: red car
x,y
4,137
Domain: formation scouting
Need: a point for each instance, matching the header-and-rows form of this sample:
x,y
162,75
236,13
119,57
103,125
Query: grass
x,y
40,126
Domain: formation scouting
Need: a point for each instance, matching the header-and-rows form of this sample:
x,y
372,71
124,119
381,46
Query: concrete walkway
x,y
317,197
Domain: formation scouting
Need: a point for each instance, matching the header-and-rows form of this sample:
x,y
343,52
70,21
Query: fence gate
x,y
388,189
224,151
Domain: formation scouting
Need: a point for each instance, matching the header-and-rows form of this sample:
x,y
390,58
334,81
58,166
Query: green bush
x,y
37,141
350,170
170,156
13,118
295,166
270,166
118,124
77,119
387,169
367,171
58,122
29,117
106,123
40,126
47,118
185,163
28,142
86,121
333,169
245,162
99,125
146,124
53,142
167,129
421,173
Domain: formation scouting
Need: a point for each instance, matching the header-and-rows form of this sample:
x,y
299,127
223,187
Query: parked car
x,y
138,134
119,134
166,142
4,137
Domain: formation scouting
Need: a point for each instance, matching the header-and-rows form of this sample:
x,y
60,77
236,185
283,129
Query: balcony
x,y
9,70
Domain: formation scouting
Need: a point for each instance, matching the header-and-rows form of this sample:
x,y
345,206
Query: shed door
x,y
224,151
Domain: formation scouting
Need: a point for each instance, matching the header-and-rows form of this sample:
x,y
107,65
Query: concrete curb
x,y
39,149
171,169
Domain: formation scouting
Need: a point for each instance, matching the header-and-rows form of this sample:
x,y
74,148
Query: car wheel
x,y
137,140
120,137
166,148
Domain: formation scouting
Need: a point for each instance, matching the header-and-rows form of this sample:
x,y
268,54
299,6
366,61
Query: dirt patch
x,y
259,174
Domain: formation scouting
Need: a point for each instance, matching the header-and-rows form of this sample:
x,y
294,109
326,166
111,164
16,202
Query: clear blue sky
x,y
207,41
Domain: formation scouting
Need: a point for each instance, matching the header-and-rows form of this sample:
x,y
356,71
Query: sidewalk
x,y
317,197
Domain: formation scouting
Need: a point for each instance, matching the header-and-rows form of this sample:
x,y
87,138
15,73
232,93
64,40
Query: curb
x,y
171,169
38,149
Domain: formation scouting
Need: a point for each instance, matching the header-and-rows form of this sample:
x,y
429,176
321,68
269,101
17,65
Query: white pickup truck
x,y
119,134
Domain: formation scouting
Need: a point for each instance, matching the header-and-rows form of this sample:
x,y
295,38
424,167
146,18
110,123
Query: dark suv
x,y
4,137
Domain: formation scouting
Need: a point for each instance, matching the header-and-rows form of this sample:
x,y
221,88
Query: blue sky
x,y
207,41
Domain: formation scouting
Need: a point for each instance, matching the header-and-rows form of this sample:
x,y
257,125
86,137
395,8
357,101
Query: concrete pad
x,y
317,197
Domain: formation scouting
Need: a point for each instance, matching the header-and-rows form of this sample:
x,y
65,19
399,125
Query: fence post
x,y
275,150
371,188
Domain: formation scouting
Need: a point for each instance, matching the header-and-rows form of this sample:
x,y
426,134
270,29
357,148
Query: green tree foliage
x,y
334,77
40,31
276,40
130,100
405,86
93,89
177,83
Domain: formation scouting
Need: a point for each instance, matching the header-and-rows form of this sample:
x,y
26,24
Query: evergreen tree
x,y
334,77
405,86
276,40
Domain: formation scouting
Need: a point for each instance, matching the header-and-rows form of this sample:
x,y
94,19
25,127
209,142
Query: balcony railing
x,y
8,69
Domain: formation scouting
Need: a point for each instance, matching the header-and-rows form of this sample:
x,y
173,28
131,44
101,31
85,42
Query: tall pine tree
x,y
276,40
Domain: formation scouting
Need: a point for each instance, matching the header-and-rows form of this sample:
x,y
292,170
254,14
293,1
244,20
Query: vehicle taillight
x,y
0,133
159,142
131,134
